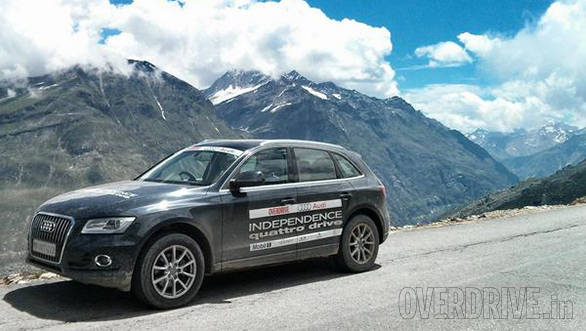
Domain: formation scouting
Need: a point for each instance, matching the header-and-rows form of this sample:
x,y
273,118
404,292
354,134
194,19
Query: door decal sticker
x,y
294,240
296,208
292,224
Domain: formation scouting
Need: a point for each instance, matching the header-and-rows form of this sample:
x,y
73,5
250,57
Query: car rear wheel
x,y
359,245
170,271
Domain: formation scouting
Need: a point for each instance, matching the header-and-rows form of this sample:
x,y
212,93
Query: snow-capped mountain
x,y
426,167
81,125
546,162
235,83
503,146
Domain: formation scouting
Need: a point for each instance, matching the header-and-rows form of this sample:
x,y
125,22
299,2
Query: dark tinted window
x,y
272,163
314,164
347,169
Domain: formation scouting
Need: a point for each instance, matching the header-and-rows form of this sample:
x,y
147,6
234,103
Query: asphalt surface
x,y
545,252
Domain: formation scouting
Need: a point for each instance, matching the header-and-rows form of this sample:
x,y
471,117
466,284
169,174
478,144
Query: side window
x,y
272,163
347,169
313,164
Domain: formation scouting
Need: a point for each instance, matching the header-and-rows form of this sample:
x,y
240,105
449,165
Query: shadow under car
x,y
70,301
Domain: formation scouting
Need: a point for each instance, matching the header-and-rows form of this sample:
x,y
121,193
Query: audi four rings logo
x,y
304,207
48,226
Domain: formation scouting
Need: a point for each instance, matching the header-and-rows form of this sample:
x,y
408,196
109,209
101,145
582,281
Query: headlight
x,y
107,225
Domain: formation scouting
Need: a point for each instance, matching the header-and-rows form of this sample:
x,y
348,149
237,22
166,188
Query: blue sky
x,y
415,23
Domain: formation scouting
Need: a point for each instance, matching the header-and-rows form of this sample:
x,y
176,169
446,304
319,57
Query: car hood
x,y
126,198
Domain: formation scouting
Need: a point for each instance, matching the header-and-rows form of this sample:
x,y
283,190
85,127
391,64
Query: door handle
x,y
345,195
288,201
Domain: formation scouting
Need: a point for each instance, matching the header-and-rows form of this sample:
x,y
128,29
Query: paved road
x,y
544,252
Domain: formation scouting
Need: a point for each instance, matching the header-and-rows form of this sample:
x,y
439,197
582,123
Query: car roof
x,y
246,144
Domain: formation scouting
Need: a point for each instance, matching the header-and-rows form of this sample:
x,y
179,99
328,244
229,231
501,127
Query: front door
x,y
255,221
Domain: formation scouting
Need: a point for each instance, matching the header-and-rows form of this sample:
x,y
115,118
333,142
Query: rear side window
x,y
347,169
272,163
313,164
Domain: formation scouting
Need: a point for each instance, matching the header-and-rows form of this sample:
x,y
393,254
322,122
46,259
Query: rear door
x,y
323,199
255,227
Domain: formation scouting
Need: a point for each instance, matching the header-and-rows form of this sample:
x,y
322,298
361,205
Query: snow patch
x,y
232,92
212,123
266,108
337,96
280,106
161,109
276,107
283,91
314,92
561,138
48,87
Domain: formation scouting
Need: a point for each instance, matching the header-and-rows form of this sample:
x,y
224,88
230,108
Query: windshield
x,y
194,166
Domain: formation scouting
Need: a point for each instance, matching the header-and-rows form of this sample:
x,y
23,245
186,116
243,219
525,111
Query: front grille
x,y
51,229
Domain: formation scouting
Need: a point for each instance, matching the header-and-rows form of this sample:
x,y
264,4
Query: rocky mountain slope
x,y
503,146
563,187
426,167
535,153
548,161
84,126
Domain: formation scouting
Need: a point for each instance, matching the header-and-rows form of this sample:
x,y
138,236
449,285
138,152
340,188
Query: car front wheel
x,y
170,271
359,245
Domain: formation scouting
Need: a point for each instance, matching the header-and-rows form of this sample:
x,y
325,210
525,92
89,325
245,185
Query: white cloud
x,y
505,107
198,41
444,54
466,107
479,44
37,37
539,76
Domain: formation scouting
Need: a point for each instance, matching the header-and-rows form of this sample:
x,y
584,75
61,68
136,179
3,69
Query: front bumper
x,y
78,262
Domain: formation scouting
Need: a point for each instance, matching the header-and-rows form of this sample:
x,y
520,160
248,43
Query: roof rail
x,y
300,141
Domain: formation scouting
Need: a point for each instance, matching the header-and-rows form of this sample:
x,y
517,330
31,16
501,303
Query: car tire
x,y
169,272
358,245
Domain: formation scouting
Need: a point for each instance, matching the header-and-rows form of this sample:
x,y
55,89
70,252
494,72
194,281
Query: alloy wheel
x,y
361,243
173,272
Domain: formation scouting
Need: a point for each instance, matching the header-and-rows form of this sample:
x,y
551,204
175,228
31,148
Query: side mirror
x,y
245,179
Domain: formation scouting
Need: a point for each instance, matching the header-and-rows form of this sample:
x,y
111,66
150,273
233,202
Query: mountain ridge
x,y
534,153
548,161
83,126
395,139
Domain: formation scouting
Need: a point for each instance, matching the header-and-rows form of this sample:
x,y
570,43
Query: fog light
x,y
103,261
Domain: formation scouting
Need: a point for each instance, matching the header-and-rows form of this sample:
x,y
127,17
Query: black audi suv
x,y
216,206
